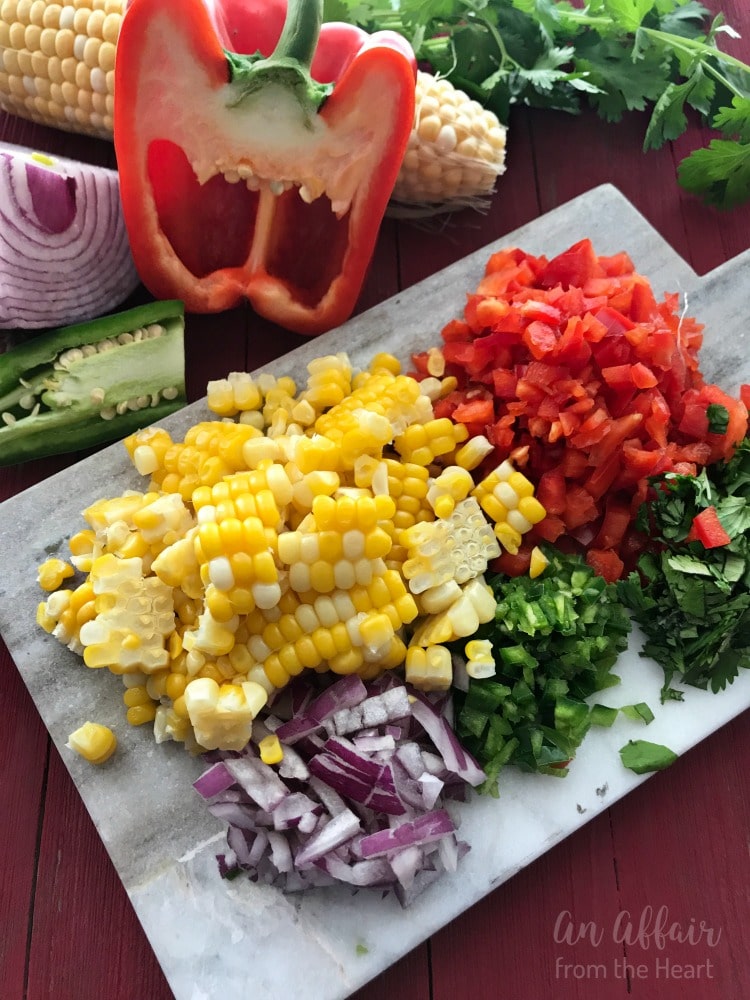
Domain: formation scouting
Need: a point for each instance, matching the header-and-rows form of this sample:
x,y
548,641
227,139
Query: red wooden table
x,y
584,920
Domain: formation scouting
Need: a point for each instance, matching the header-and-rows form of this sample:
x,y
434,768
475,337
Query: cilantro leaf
x,y
734,514
734,122
720,173
685,19
668,119
624,86
545,12
629,14
643,757
718,418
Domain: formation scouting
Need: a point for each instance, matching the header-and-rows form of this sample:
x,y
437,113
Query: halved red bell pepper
x,y
257,152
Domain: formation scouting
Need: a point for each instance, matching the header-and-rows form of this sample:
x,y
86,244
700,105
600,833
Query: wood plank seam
x,y
37,857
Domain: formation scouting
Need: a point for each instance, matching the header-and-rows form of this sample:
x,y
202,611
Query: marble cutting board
x,y
213,938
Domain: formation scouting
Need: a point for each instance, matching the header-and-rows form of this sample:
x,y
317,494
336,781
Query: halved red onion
x,y
64,251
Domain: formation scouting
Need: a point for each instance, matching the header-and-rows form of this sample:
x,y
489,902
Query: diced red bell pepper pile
x,y
572,368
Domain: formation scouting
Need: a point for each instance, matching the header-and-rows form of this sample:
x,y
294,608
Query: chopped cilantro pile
x,y
616,56
555,640
693,602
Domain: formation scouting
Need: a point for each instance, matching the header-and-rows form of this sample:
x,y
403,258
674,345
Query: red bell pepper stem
x,y
288,65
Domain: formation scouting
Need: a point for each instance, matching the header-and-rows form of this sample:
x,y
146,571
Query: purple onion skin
x,y
53,197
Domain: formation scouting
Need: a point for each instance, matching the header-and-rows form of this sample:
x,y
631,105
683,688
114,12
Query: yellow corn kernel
x,y
539,562
348,662
531,509
94,742
52,573
211,670
493,508
179,706
423,443
81,547
509,538
136,696
139,715
236,393
429,668
175,686
271,750
317,452
170,726
375,630
394,656
156,685
473,453
449,488
44,619
324,644
275,672
479,659
521,485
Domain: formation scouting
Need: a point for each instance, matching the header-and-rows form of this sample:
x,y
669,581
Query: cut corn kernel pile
x,y
336,528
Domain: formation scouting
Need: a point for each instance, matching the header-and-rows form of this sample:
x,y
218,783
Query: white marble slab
x,y
213,938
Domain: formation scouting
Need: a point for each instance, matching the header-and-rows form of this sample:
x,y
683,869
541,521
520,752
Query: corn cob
x,y
456,150
57,62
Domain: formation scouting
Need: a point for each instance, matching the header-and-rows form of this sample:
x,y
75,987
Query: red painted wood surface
x,y
579,923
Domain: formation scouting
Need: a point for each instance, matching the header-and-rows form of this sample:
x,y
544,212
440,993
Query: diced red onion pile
x,y
358,797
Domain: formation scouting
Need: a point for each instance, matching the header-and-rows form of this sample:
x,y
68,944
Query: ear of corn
x,y
57,68
455,154
57,62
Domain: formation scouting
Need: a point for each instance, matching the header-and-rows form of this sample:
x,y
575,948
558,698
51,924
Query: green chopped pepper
x,y
84,385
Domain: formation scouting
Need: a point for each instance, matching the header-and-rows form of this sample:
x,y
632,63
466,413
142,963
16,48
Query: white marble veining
x,y
217,939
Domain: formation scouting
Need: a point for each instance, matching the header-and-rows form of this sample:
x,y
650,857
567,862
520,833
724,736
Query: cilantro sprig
x,y
662,57
693,602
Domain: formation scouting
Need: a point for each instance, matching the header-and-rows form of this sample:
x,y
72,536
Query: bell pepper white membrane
x,y
64,252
